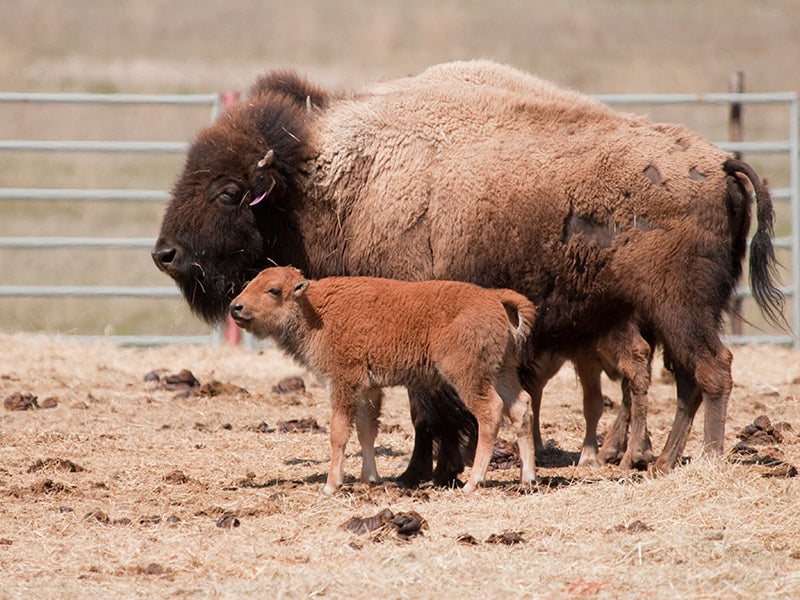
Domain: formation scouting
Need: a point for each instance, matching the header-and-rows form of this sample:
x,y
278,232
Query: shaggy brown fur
x,y
360,334
628,221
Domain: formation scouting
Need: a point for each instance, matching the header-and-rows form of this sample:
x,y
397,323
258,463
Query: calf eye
x,y
274,292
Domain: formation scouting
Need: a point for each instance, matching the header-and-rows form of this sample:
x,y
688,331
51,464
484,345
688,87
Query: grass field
x,y
127,489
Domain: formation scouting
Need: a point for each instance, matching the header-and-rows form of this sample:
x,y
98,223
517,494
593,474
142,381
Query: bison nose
x,y
165,257
236,310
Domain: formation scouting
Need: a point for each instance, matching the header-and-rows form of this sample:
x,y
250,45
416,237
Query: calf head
x,y
222,224
267,307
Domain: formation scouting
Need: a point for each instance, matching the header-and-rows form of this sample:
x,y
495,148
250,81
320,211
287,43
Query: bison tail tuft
x,y
763,264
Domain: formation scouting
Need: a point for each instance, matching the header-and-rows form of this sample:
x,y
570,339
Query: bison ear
x,y
299,288
265,194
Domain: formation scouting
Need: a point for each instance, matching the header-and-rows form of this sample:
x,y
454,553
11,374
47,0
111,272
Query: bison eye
x,y
274,292
230,196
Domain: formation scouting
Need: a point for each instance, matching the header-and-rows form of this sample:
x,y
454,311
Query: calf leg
x,y
615,441
488,410
367,415
517,405
341,421
634,362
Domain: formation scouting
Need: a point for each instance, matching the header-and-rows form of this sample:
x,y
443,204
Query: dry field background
x,y
155,473
118,491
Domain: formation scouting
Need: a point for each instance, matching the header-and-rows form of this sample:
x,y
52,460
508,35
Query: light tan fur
x,y
361,334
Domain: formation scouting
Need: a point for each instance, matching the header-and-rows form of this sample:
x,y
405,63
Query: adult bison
x,y
617,228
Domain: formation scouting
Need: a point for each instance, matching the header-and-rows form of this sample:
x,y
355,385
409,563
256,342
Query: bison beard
x,y
477,172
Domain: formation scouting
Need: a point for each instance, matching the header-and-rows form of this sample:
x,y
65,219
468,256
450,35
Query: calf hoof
x,y
328,490
471,486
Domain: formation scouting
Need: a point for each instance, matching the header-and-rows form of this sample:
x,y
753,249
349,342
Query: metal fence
x,y
790,147
215,104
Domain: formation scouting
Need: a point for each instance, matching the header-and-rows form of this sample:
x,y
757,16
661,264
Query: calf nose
x,y
236,310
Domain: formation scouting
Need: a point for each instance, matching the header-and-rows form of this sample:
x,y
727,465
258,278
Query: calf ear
x,y
300,287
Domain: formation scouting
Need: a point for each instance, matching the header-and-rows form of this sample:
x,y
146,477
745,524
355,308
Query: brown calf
x,y
360,334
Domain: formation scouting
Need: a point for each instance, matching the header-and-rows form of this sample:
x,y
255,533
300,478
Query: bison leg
x,y
689,398
589,369
714,377
634,362
457,432
711,383
420,466
439,415
341,420
367,430
534,375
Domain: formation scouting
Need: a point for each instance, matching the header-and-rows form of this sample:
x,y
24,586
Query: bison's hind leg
x,y
367,413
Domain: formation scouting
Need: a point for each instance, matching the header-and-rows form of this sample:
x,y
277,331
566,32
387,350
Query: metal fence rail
x,y
789,147
213,101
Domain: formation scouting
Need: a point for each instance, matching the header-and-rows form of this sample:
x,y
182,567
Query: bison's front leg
x,y
439,415
420,466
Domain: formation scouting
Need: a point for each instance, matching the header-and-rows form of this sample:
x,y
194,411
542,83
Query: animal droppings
x,y
228,521
508,538
20,401
289,385
405,524
308,425
505,455
60,464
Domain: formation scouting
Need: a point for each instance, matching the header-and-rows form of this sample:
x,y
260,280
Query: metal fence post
x,y
231,332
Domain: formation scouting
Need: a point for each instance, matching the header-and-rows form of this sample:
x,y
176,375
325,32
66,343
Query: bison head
x,y
221,225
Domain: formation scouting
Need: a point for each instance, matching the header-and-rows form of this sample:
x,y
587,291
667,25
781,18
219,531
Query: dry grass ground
x,y
118,489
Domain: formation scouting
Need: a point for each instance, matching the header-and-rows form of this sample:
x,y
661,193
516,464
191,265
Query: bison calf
x,y
360,334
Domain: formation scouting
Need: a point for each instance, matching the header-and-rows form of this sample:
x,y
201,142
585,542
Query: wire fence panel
x,y
789,147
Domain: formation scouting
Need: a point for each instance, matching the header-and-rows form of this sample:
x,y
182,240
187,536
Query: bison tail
x,y
763,264
521,314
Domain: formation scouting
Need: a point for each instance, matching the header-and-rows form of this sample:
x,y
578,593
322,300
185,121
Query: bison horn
x,y
267,160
